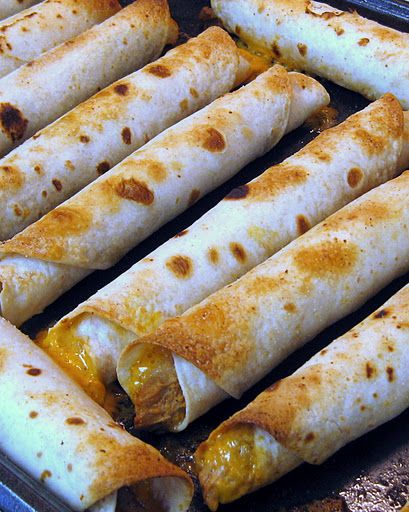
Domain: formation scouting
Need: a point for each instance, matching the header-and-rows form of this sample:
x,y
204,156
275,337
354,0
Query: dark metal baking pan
x,y
369,475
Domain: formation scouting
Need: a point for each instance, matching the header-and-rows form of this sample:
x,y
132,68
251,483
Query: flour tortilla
x,y
357,383
27,35
58,435
39,92
10,7
232,339
344,47
116,122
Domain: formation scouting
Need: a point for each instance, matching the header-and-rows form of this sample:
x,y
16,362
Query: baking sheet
x,y
369,475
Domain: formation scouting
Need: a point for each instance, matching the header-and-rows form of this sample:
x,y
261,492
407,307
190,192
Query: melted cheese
x,y
231,464
154,389
257,65
70,352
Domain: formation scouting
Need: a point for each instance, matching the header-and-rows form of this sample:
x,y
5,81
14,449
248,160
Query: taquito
x,y
57,434
39,92
350,387
229,341
155,288
102,131
344,47
28,34
98,225
10,7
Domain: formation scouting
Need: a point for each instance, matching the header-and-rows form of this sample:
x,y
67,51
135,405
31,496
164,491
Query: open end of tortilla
x,y
250,66
147,373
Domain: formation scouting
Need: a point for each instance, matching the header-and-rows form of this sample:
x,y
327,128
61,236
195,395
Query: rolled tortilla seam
x,y
101,223
28,34
231,339
352,386
268,213
39,92
354,52
54,164
10,7
74,448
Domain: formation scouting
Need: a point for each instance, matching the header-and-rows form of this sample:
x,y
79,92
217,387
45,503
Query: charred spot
x,y
121,89
354,177
45,474
390,373
103,167
238,192
382,313
38,169
75,421
135,191
33,414
303,224
44,193
363,42
290,307
391,348
126,135
12,121
193,92
17,210
34,372
309,437
213,141
213,255
181,233
57,184
362,408
84,139
159,70
238,251
302,49
181,266
194,196
370,370
275,50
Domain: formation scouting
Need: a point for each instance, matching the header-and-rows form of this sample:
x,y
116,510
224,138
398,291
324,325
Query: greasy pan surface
x,y
369,475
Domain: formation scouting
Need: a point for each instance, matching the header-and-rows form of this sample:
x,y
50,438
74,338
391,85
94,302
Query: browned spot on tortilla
x,y
135,191
194,196
181,266
45,474
12,121
372,144
213,255
33,414
84,139
362,408
155,170
75,421
11,176
69,467
302,48
34,372
38,169
391,373
323,352
238,192
339,30
290,307
355,176
17,210
363,42
275,50
184,104
213,140
370,370
194,92
275,180
159,70
309,437
121,89
181,233
103,167
69,165
57,184
330,258
39,454
238,252
126,135
381,313
303,224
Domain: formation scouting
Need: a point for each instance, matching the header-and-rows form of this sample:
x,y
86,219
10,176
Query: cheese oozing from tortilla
x,y
154,388
240,460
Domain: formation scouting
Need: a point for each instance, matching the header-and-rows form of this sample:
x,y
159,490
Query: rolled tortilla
x,y
207,256
232,339
28,34
114,123
101,223
10,7
58,435
344,47
42,90
352,386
